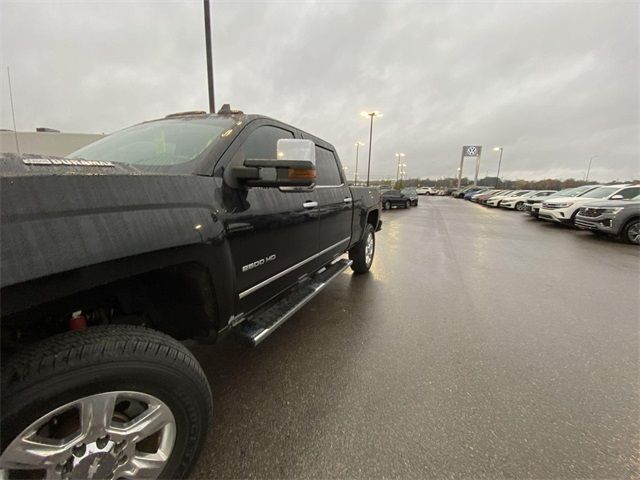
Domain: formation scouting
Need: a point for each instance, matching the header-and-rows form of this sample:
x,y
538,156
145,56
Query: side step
x,y
263,322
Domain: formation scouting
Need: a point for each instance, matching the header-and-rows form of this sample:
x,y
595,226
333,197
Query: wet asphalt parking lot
x,y
483,344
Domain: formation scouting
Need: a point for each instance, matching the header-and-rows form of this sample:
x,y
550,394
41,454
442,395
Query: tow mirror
x,y
294,166
617,197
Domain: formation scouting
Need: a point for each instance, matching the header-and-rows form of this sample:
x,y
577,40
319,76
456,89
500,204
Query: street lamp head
x,y
375,113
497,149
359,144
400,154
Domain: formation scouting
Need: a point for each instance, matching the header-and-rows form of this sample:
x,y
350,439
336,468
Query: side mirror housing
x,y
293,167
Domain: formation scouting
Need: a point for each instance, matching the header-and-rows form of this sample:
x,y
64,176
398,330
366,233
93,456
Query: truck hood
x,y
57,217
30,164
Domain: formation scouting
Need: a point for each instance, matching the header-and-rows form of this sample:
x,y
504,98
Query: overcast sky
x,y
554,83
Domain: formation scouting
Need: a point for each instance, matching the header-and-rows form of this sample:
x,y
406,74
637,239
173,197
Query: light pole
x,y
355,175
586,178
207,40
495,149
371,115
398,157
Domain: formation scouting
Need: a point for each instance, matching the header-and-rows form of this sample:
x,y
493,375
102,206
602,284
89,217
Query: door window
x,y
628,193
327,168
262,143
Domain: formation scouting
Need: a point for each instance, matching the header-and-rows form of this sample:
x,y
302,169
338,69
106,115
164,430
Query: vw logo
x,y
472,151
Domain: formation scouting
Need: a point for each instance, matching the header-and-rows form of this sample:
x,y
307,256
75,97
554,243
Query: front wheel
x,y
407,204
362,253
631,232
387,205
105,402
520,206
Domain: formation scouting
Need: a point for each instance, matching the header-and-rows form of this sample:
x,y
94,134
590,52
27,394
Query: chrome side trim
x,y
258,286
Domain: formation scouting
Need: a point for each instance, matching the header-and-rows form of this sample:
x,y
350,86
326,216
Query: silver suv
x,y
614,217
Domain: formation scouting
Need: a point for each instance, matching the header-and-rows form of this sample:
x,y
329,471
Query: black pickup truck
x,y
181,228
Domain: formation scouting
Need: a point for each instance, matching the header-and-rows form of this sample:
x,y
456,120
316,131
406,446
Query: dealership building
x,y
45,141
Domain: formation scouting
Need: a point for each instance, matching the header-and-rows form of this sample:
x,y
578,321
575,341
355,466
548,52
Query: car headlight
x,y
557,205
613,211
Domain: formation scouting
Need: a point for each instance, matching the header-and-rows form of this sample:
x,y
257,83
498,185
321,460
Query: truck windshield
x,y
159,145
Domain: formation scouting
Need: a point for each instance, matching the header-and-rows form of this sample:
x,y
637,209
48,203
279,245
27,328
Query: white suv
x,y
564,209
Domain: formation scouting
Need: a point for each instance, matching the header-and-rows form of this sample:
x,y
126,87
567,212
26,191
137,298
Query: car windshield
x,y
576,192
158,145
600,192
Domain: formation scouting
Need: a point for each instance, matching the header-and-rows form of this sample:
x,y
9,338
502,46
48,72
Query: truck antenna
x,y
13,112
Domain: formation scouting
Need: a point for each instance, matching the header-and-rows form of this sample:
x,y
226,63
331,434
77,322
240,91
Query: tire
x,y
520,206
407,204
387,205
137,371
631,232
362,259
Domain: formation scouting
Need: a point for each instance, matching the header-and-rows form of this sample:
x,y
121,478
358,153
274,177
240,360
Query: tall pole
x,y
460,169
13,113
370,137
499,164
355,175
586,178
398,168
475,178
207,39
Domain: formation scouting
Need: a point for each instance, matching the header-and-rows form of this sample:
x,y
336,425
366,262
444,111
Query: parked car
x,y
426,191
532,205
470,193
495,200
483,197
179,228
619,218
564,209
395,198
476,197
412,194
518,203
460,193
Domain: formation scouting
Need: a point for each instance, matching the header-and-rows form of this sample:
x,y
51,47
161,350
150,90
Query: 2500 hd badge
x,y
258,263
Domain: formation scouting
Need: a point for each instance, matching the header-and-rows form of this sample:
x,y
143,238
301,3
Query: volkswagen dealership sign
x,y
472,150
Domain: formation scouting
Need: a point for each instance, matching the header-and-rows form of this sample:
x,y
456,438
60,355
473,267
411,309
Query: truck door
x,y
272,232
334,202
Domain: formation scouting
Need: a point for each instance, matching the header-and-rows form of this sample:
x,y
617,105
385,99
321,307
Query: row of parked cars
x,y
613,210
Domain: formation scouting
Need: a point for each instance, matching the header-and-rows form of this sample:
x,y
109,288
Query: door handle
x,y
310,204
348,200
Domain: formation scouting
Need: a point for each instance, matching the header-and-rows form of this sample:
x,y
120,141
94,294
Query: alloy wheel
x,y
111,435
633,233
368,249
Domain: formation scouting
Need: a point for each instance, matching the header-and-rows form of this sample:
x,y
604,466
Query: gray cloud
x,y
555,83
